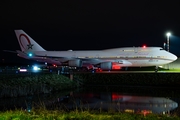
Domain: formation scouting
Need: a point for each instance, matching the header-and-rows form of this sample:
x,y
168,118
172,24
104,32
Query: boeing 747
x,y
107,59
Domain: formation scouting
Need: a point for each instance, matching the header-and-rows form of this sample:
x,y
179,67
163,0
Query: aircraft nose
x,y
173,57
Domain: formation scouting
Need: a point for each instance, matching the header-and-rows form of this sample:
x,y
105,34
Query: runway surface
x,y
109,72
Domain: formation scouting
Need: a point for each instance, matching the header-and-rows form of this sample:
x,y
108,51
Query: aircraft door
x,y
97,55
135,50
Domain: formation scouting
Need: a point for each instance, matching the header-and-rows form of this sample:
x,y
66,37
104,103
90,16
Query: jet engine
x,y
106,66
75,63
115,65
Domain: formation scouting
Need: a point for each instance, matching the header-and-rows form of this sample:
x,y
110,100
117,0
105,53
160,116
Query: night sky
x,y
89,25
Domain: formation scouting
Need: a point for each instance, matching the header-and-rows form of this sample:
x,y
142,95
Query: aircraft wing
x,y
38,58
79,62
89,62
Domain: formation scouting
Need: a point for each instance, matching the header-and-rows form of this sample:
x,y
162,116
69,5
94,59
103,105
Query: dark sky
x,y
88,24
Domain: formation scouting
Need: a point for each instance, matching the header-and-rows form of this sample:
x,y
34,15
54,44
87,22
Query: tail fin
x,y
26,42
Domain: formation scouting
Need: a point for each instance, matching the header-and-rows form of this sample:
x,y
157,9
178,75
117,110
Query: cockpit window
x,y
161,49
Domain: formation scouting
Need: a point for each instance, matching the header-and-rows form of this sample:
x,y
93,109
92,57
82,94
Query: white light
x,y
35,68
23,70
168,34
30,54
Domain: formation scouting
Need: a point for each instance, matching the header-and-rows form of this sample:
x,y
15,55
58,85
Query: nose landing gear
x,y
156,69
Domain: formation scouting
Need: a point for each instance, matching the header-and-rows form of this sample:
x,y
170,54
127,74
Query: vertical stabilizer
x,y
26,42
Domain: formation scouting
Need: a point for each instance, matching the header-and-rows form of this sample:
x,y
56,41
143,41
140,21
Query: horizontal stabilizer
x,y
10,51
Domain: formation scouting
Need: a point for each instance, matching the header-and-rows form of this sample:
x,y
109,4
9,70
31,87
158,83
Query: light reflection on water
x,y
97,98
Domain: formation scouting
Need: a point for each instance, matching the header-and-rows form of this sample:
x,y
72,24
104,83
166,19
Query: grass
x,y
134,79
22,85
44,114
170,70
17,85
152,69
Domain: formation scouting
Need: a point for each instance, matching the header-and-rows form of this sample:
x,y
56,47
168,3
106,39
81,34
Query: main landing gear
x,y
156,69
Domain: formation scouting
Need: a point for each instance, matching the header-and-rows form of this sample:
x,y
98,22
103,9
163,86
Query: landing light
x,y
36,68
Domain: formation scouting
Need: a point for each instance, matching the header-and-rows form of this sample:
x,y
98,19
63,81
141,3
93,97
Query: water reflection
x,y
144,103
120,102
101,101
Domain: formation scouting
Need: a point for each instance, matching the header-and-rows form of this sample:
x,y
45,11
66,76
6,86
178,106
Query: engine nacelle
x,y
75,63
106,66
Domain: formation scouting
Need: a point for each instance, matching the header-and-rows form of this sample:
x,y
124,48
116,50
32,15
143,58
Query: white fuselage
x,y
127,56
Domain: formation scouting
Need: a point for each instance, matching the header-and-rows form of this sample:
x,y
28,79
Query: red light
x,y
99,70
54,65
144,46
116,67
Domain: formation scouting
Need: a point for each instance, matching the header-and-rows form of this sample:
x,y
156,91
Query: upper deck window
x,y
144,50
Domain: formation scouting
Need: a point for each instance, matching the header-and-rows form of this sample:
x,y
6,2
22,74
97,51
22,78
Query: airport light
x,y
164,45
168,36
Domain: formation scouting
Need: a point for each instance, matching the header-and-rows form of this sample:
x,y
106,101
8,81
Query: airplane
x,y
107,59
